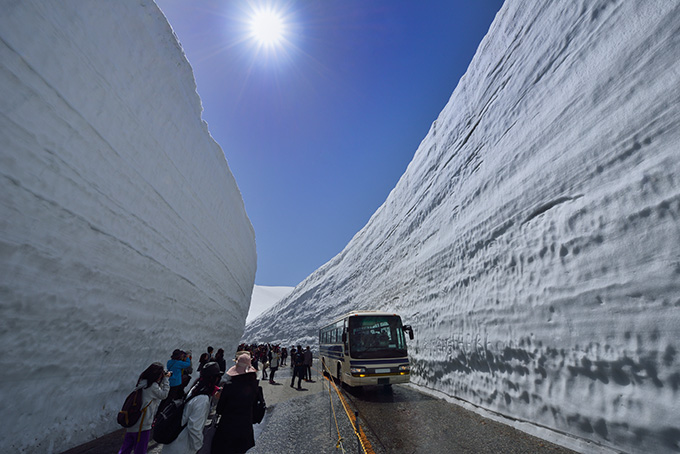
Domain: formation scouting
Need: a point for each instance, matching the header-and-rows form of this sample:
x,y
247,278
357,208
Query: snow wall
x,y
123,233
534,240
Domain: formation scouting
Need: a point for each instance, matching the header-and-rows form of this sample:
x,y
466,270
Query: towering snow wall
x,y
534,240
123,234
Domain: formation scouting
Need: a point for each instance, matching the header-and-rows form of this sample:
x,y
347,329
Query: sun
x,y
267,27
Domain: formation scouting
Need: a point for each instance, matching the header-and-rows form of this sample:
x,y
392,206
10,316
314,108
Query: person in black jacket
x,y
219,359
298,361
234,432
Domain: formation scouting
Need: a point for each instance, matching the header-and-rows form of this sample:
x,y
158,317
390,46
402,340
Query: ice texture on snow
x,y
123,234
534,240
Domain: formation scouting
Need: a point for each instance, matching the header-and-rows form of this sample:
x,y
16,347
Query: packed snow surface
x,y
533,243
123,234
264,297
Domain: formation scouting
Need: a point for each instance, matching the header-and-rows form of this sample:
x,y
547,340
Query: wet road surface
x,y
402,420
397,420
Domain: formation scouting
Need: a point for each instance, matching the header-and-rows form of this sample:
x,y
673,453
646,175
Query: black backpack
x,y
259,407
132,408
299,359
168,422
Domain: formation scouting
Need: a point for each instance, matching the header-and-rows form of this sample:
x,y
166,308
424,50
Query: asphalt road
x,y
397,420
403,420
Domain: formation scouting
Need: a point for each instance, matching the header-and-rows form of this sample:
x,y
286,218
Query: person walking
x,y
298,366
155,387
196,410
234,433
274,365
264,359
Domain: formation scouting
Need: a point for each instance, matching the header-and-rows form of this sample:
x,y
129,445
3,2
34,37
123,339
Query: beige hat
x,y
243,366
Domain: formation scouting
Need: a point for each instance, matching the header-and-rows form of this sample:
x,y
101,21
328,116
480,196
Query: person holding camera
x,y
155,387
177,364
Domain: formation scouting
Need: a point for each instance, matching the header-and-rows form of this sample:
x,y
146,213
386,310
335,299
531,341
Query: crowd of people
x,y
229,393
271,357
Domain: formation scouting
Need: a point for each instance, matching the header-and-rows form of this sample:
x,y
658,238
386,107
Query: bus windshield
x,y
376,337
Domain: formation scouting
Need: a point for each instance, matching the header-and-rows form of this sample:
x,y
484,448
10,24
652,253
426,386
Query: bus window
x,y
376,337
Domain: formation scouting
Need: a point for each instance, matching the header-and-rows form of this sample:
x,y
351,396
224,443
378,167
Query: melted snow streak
x,y
534,240
123,233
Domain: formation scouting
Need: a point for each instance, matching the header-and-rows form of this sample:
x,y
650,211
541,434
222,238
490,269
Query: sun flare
x,y
267,27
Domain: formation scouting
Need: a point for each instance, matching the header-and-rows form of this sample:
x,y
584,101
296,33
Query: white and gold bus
x,y
366,348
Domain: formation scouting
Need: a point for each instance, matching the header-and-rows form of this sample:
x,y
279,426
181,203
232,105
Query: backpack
x,y
259,407
132,408
168,423
299,359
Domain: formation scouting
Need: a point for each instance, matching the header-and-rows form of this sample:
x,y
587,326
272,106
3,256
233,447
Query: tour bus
x,y
366,348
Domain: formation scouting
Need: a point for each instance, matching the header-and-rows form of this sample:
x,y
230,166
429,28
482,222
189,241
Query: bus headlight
x,y
358,371
403,370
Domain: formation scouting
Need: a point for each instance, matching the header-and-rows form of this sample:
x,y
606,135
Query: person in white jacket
x,y
155,387
196,410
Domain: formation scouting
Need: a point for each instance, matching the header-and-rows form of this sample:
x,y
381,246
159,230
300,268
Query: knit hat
x,y
243,366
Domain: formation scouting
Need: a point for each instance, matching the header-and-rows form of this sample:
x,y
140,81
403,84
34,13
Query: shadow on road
x,y
383,394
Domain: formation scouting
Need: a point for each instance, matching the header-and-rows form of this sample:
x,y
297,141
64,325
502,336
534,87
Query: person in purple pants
x,y
155,387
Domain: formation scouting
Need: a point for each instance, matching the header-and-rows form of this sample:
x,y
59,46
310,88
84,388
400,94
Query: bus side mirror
x,y
344,337
409,330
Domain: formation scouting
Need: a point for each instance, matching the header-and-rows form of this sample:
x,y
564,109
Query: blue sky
x,y
319,129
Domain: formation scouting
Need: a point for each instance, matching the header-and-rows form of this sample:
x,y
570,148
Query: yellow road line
x,y
365,444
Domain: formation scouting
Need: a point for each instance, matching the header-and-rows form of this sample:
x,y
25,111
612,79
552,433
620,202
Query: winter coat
x,y
175,366
299,359
151,396
307,358
234,432
222,363
274,363
190,439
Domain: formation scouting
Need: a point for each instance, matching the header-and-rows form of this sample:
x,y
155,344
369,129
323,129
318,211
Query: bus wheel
x,y
340,376
323,368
